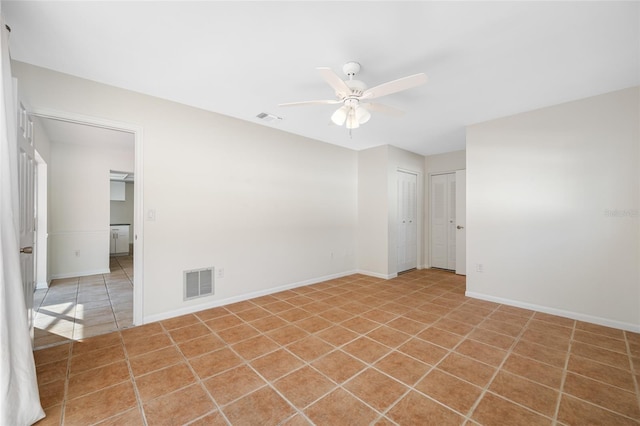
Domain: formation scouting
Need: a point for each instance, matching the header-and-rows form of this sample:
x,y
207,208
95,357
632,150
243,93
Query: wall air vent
x,y
198,283
269,118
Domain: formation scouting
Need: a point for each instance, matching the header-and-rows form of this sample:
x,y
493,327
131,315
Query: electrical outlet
x,y
479,267
220,273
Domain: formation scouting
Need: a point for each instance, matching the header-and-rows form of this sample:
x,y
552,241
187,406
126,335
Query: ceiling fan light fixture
x,y
352,120
362,115
339,116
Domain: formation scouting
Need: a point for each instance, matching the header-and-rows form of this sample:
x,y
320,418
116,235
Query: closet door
x,y
407,221
443,221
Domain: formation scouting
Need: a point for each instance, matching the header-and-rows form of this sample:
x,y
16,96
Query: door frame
x,y
138,206
418,217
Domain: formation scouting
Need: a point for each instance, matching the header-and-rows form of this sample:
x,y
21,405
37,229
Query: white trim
x,y
559,312
240,298
80,274
377,274
138,207
42,285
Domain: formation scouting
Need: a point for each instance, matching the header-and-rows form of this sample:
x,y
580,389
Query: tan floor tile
x,y
263,407
100,405
402,368
181,321
541,353
132,417
604,373
337,315
142,331
609,343
501,327
377,389
423,351
366,349
388,336
600,329
223,322
254,347
313,324
293,315
449,390
55,353
303,386
493,410
94,343
337,335
98,378
212,419
147,344
492,338
277,307
455,327
534,370
379,316
340,408
179,407
189,332
415,409
214,362
268,323
601,394
481,352
53,416
604,356
209,314
276,364
467,369
97,358
310,348
240,306
440,337
525,392
152,361
252,314
52,371
238,333
52,393
287,334
338,366
233,384
161,382
576,412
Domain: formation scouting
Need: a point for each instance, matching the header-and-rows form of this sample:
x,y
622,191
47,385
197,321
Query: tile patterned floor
x,y
356,350
77,308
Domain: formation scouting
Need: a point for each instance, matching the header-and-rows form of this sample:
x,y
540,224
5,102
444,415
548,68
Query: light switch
x,y
151,215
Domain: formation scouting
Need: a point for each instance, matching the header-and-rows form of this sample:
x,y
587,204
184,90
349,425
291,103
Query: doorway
x,y
125,272
447,221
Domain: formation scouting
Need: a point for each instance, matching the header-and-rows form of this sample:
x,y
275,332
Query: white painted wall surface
x,y
552,209
79,196
373,212
267,206
434,164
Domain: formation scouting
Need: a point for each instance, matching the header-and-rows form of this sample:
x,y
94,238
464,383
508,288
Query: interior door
x,y
407,236
461,222
443,221
26,180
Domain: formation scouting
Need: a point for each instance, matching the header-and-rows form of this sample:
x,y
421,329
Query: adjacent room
x,y
321,213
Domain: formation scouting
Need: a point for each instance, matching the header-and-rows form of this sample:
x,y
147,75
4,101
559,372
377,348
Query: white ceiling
x,y
484,59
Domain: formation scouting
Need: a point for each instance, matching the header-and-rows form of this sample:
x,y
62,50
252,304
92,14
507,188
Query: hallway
x,y
80,307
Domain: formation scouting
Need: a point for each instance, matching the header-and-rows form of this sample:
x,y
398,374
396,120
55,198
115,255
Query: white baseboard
x,y
42,285
79,274
221,302
377,275
559,312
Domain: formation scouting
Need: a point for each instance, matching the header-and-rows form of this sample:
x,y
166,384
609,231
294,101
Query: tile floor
x,y
356,350
77,308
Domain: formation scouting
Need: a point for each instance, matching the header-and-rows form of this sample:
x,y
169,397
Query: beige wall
x,y
552,209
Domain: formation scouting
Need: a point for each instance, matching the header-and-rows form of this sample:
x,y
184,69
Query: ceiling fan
x,y
355,97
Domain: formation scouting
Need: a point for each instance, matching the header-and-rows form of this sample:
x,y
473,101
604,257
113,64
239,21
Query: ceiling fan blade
x,y
304,103
341,88
384,109
395,86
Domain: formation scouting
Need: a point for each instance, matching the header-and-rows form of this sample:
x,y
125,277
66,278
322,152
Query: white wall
x,y
552,209
435,164
122,211
267,206
378,207
79,195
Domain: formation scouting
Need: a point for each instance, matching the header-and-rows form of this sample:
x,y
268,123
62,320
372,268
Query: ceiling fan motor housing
x,y
350,69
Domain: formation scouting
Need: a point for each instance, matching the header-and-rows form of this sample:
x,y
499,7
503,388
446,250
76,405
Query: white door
x,y
443,221
407,237
26,180
461,222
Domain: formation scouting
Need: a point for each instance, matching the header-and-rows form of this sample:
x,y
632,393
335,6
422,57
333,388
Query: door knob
x,y
459,227
26,250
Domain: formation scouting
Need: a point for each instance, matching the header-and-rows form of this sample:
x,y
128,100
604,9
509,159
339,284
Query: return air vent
x,y
198,283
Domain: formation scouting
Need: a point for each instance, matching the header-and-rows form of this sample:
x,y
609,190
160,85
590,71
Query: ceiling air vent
x,y
269,118
198,283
